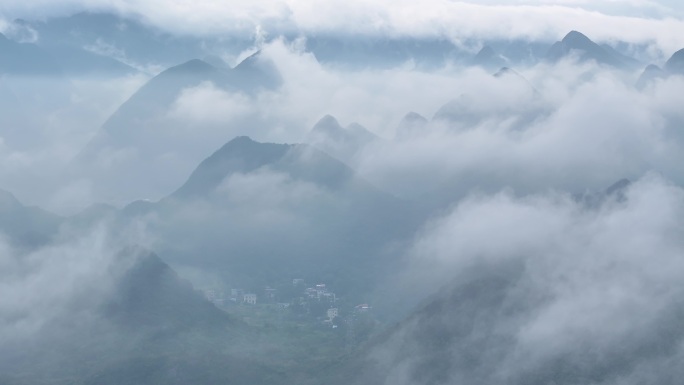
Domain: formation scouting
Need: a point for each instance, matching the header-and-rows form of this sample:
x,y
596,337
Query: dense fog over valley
x,y
288,192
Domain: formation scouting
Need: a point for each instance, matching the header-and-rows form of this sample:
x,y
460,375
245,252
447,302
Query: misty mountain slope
x,y
358,51
579,46
651,73
162,130
340,142
456,336
151,295
508,99
146,326
470,333
520,52
240,155
26,227
154,98
594,200
157,95
675,64
256,213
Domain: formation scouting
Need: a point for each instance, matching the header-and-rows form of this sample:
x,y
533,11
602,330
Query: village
x,y
309,306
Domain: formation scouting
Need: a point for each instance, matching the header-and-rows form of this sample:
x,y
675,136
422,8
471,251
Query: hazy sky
x,y
630,20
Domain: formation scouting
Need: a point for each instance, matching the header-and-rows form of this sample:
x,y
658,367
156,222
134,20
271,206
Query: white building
x,y
332,313
250,299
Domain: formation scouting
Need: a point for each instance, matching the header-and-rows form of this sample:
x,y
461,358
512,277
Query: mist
x,y
450,192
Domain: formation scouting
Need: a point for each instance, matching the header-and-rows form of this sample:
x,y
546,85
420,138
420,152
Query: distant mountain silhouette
x,y
150,295
156,125
411,124
240,155
579,46
467,329
615,192
26,227
651,73
331,204
467,111
673,66
488,58
149,326
341,142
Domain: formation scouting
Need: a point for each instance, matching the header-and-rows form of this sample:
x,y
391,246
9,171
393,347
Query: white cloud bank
x,y
632,21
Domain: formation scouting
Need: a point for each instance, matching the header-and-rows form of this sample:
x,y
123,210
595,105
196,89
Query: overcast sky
x,y
630,20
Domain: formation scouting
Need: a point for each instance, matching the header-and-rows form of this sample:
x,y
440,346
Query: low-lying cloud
x,y
596,294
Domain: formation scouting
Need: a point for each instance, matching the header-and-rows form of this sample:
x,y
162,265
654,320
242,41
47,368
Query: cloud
x,y
46,123
586,129
631,21
597,293
68,278
207,104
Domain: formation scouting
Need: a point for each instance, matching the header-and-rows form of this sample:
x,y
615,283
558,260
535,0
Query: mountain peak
x,y
505,71
486,51
575,39
488,58
327,121
194,66
651,72
240,155
576,44
249,60
244,139
618,187
411,124
412,117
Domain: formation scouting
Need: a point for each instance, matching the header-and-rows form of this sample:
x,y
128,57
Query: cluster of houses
x,y
317,295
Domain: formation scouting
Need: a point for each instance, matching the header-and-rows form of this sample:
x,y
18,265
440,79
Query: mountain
x,y
511,97
577,45
139,324
363,51
26,227
150,294
163,126
615,192
341,142
156,96
488,58
456,335
482,329
651,73
412,124
240,155
675,65
259,213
